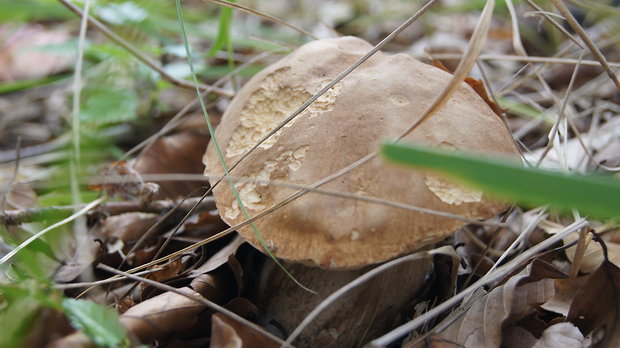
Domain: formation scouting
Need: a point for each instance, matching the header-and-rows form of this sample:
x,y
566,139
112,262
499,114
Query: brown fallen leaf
x,y
476,85
219,258
179,153
482,324
119,233
21,196
165,272
47,326
597,305
121,179
127,227
593,255
167,313
15,192
515,336
75,340
228,333
565,335
565,292
160,316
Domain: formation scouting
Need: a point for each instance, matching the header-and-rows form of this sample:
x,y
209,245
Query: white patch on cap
x,y
451,193
269,105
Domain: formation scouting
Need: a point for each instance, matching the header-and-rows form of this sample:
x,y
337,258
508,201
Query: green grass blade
x,y
223,33
9,87
594,195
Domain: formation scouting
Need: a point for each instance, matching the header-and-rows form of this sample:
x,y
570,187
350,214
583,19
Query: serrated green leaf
x,y
99,323
107,106
593,195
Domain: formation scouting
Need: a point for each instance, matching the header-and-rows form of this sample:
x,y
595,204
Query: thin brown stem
x,y
17,217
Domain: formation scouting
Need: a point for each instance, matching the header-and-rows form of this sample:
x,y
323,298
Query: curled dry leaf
x,y
162,315
219,258
165,272
228,333
597,305
593,255
565,335
565,292
119,232
482,324
127,227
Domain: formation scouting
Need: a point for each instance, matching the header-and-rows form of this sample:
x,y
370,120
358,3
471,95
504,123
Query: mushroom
x,y
377,101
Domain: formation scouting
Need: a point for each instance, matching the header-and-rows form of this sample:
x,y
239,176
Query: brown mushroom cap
x,y
378,101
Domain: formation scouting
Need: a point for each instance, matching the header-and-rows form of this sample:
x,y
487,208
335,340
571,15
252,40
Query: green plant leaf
x,y
15,86
106,106
99,323
122,13
21,305
522,109
32,10
594,195
223,33
16,318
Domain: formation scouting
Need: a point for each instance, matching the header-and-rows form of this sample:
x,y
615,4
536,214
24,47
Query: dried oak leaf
x,y
564,335
219,258
597,305
482,325
565,292
164,314
158,317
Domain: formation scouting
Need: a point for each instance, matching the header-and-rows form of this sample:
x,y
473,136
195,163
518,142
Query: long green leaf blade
x,y
594,195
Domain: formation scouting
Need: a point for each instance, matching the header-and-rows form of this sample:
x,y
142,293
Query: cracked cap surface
x,y
377,101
